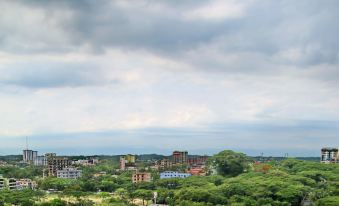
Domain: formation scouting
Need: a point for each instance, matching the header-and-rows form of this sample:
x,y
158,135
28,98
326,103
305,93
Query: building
x,y
11,184
25,184
127,162
197,171
69,173
180,157
88,162
141,177
197,160
172,174
29,156
164,164
329,155
2,182
56,163
40,161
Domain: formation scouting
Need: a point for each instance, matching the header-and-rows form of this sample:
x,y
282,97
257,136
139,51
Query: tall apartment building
x,y
56,163
329,155
180,157
40,161
29,156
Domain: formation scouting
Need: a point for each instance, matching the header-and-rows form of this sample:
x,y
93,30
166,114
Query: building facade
x,y
329,155
127,162
164,164
29,156
25,184
172,174
197,160
180,157
141,177
69,173
56,163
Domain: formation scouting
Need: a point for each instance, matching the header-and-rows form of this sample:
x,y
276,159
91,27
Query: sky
x,y
114,77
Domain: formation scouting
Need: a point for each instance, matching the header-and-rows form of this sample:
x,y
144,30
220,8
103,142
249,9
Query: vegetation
x,y
238,182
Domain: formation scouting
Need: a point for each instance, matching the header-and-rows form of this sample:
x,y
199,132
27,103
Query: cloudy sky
x,y
111,77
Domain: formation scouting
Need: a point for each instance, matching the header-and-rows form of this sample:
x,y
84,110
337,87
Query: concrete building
x,y
197,171
40,161
2,182
180,157
127,162
172,174
164,164
329,155
29,156
25,184
87,162
197,160
141,177
56,163
11,184
69,173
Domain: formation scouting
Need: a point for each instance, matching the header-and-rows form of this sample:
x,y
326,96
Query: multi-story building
x,y
88,162
56,163
172,174
2,182
11,184
141,177
164,164
197,160
180,157
329,155
127,162
25,184
69,173
29,156
40,161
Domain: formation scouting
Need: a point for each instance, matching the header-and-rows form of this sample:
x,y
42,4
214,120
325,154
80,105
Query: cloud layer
x,y
78,71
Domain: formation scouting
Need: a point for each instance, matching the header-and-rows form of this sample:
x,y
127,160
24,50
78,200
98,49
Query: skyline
x,y
203,76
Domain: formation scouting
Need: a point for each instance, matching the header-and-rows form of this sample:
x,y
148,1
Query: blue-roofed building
x,y
172,174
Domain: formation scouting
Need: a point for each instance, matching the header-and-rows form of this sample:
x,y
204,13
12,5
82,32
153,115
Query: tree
x,y
144,195
229,163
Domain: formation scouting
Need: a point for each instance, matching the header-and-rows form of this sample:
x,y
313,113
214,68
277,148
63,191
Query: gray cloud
x,y
167,64
51,74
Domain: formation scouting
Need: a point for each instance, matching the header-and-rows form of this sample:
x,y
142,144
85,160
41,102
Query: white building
x,y
69,173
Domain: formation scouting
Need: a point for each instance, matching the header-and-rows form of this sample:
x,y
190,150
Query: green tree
x,y
229,163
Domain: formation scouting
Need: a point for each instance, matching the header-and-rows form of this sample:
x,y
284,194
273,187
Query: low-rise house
x,y
172,174
141,177
69,173
99,174
197,171
25,184
88,162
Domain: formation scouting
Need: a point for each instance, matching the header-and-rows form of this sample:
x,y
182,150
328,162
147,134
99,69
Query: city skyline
x,y
153,77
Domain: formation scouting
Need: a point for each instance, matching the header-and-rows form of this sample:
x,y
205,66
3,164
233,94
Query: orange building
x,y
141,177
198,171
